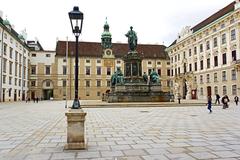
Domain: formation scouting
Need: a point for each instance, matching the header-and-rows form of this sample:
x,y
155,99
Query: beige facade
x,y
205,59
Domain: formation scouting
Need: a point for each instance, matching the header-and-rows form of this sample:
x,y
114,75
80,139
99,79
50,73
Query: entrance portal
x,y
47,94
184,89
209,91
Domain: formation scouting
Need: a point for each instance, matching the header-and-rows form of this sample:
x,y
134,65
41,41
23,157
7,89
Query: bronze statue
x,y
132,39
154,77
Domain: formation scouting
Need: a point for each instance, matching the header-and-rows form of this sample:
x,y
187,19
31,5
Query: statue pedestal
x,y
75,129
188,96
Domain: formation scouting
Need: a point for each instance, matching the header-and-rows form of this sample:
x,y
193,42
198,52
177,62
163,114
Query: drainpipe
x,y
1,88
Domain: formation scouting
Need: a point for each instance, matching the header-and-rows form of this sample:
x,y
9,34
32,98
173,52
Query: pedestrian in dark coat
x,y
236,99
209,104
217,99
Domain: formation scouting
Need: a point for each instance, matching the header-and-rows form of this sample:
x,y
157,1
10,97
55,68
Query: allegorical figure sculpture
x,y
132,39
117,77
154,77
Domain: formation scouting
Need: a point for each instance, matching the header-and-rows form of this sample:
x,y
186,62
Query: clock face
x,y
108,52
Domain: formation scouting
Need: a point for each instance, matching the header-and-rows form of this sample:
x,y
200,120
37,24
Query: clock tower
x,y
107,42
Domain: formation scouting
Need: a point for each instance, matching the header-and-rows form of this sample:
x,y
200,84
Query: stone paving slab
x,y
37,131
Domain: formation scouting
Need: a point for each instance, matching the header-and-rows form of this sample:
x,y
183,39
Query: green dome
x,y
6,22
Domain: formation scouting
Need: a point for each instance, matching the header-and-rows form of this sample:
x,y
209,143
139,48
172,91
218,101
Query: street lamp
x,y
76,19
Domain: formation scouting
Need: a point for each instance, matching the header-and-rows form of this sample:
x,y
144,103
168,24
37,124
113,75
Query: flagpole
x,y
66,70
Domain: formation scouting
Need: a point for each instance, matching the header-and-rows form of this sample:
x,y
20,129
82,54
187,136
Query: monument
x,y
132,86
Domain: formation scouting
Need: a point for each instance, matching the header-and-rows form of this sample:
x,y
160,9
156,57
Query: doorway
x,y
47,94
209,91
15,95
184,89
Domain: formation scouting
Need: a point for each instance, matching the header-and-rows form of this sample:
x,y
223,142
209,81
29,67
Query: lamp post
x,y
76,19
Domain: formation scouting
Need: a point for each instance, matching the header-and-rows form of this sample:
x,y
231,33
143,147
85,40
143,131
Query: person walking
x,y
225,101
217,99
209,104
236,99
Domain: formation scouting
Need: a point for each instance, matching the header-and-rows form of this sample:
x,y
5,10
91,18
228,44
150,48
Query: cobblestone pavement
x,y
38,132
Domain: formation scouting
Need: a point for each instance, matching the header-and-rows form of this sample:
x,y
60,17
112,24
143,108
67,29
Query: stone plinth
x,y
75,129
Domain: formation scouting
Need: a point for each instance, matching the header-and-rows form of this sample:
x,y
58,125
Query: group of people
x,y
34,100
224,101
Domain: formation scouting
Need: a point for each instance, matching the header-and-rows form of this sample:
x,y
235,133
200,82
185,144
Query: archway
x,y
209,91
47,89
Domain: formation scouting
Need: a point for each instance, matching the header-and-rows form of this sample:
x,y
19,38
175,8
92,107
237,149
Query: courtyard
x,y
37,131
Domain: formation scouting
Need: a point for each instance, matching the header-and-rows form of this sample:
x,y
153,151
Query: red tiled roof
x,y
94,49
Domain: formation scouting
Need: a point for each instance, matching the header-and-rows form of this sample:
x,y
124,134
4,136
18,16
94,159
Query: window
x,y
33,83
10,52
234,77
208,63
171,59
15,81
195,79
215,77
223,38
201,91
87,83
201,78
190,67
215,61
171,72
5,49
64,59
10,80
10,67
215,42
222,25
20,70
48,83
208,45
201,64
4,65
64,82
234,55
19,82
10,92
48,55
99,61
88,71
108,83
233,35
16,56
195,50
98,83
47,70
224,90
33,70
195,66
178,57
149,71
99,70
234,89
208,78
64,70
16,69
87,93
108,71
184,55
159,72
179,70
98,94
190,52
158,63
224,58
224,77
232,21
215,90
168,72
4,79
87,60
201,47
168,63
149,62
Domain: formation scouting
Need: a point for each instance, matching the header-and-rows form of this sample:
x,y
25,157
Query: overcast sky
x,y
155,21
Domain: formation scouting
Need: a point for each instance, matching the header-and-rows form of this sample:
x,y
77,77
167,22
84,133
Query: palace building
x,y
52,72
205,59
14,62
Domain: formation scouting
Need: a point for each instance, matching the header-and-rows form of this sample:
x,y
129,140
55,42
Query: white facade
x,y
205,61
14,62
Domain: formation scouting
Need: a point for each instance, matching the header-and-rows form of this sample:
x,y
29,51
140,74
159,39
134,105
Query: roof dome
x,y
6,22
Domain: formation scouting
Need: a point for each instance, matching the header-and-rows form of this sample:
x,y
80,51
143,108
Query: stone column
x,y
75,129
